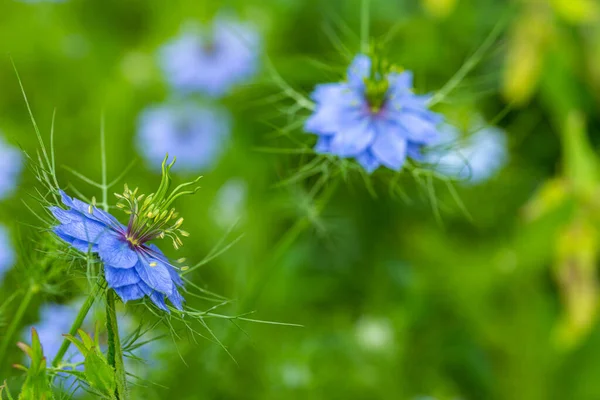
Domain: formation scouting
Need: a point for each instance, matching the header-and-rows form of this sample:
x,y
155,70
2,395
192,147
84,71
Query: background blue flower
x,y
378,127
195,134
212,60
11,164
7,253
474,158
132,267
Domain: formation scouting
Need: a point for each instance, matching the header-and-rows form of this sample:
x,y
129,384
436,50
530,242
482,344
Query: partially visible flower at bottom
x,y
195,134
11,163
475,158
7,253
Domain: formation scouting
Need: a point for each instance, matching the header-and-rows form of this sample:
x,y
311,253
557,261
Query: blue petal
x,y
117,277
400,82
84,208
416,129
172,271
157,298
81,245
176,299
130,292
413,150
389,149
116,252
323,145
65,216
359,69
353,139
85,229
368,161
156,277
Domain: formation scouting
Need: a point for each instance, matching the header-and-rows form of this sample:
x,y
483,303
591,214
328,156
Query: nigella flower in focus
x,y
7,254
213,60
133,267
473,159
196,135
374,116
11,163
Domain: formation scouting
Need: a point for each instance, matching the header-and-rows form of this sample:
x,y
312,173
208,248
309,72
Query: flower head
x,y
133,266
214,60
195,135
473,159
374,116
7,254
11,163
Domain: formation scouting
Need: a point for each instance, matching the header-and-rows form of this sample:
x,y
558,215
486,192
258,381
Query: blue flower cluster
x,y
11,164
208,62
133,267
373,117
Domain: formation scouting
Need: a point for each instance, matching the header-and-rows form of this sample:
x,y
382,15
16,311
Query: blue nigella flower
x,y
473,159
374,116
214,60
7,254
11,163
133,266
194,134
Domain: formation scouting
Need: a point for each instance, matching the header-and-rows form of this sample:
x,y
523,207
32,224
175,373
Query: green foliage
x,y
37,382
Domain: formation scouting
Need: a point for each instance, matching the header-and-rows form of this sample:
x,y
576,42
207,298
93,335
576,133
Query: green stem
x,y
83,312
364,26
115,352
16,321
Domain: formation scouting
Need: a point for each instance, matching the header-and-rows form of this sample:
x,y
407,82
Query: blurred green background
x,y
395,303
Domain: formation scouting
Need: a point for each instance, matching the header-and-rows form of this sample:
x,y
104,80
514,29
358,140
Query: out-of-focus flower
x,y
196,135
214,59
439,8
374,116
375,334
7,253
472,159
229,203
133,267
11,163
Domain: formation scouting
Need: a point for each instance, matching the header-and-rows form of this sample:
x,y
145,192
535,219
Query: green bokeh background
x,y
394,303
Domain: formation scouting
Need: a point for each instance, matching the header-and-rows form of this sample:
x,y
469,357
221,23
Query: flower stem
x,y
16,321
115,352
83,312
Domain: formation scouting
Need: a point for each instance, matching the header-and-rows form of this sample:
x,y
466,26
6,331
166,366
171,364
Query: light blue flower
x,y
473,159
133,267
373,117
7,253
11,164
212,61
195,134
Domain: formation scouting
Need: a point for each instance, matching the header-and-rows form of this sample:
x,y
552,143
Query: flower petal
x,y
353,139
176,299
157,298
129,292
389,149
155,274
359,70
117,277
85,229
369,162
116,252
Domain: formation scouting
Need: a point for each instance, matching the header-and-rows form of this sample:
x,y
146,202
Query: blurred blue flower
x,y
473,159
7,253
213,60
11,163
374,117
132,267
196,135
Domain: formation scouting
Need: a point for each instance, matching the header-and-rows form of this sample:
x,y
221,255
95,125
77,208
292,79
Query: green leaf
x,y
37,384
99,374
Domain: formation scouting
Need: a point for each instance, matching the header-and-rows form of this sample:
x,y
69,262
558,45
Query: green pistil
x,y
376,92
152,216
